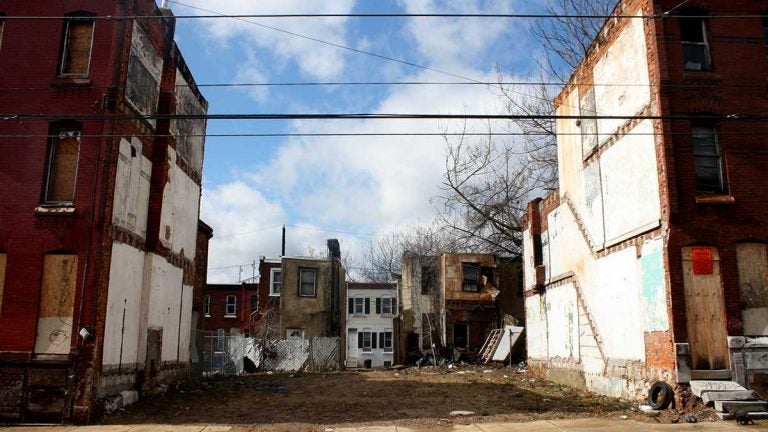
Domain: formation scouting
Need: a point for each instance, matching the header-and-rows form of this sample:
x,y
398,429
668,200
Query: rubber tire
x,y
660,395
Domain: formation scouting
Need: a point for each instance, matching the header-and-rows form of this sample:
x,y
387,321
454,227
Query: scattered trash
x,y
488,371
646,409
461,413
691,419
623,417
506,376
546,400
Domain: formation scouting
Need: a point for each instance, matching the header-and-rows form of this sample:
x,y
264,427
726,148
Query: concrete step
x,y
711,375
747,406
739,395
699,387
753,415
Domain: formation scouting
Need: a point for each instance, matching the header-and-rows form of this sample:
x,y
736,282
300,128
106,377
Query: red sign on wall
x,y
702,261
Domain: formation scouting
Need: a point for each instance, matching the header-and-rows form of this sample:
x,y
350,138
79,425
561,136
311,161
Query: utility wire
x,y
382,116
380,15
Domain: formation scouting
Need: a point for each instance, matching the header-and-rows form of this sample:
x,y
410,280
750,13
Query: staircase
x,y
490,345
728,397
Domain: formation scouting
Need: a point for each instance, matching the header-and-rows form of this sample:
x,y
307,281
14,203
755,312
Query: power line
x,y
377,116
383,15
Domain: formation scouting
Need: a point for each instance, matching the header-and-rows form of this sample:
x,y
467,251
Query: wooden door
x,y
705,308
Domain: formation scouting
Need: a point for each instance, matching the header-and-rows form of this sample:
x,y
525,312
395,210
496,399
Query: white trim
x,y
272,272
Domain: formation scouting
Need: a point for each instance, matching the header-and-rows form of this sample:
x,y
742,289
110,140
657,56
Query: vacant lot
x,y
419,398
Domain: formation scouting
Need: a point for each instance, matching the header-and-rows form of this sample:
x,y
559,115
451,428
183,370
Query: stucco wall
x,y
165,303
133,176
126,276
310,314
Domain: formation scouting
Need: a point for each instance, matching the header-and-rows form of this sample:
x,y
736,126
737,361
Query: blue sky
x,y
364,185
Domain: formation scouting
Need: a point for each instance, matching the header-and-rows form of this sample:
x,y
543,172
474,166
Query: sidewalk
x,y
582,425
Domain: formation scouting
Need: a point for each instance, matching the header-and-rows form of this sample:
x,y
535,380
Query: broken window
x,y
693,34
707,160
61,171
487,276
460,335
307,282
254,303
77,45
471,273
275,282
207,306
427,279
231,306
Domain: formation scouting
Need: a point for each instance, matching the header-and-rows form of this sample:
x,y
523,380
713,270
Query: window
x,y
254,303
220,340
307,282
693,33
385,340
359,306
207,306
231,306
385,306
364,341
707,159
76,49
471,273
61,170
294,333
461,335
427,279
57,303
275,282
765,31
2,26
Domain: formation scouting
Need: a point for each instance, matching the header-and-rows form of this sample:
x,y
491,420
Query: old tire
x,y
660,395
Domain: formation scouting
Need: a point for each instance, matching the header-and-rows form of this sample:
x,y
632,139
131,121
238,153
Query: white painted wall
x,y
563,313
624,64
126,277
165,298
631,185
133,176
536,327
180,213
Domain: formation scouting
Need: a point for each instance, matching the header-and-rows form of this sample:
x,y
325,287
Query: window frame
x,y
388,347
207,306
369,334
57,134
227,313
2,29
361,301
301,282
708,66
272,284
79,17
254,303
716,154
387,301
464,273
764,26
220,335
428,278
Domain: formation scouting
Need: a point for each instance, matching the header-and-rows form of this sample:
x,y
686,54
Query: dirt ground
x,y
418,398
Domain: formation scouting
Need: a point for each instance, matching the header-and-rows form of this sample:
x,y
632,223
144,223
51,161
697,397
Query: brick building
x,y
227,308
649,262
99,206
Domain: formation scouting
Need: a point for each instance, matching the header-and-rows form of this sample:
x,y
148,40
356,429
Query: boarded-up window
x,y
3,260
76,50
62,167
57,299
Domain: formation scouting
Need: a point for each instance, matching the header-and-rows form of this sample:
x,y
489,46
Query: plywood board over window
x,y
57,300
62,168
78,41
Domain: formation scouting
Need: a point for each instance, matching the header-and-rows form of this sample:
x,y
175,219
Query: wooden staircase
x,y
490,345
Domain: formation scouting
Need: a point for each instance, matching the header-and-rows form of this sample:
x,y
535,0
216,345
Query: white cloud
x,y
314,59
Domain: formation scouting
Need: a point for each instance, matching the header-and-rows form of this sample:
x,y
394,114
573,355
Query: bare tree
x,y
567,37
488,182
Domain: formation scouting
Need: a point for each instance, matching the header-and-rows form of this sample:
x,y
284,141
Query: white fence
x,y
235,354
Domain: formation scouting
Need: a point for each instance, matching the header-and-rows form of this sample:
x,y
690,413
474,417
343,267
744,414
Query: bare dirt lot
x,y
418,398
